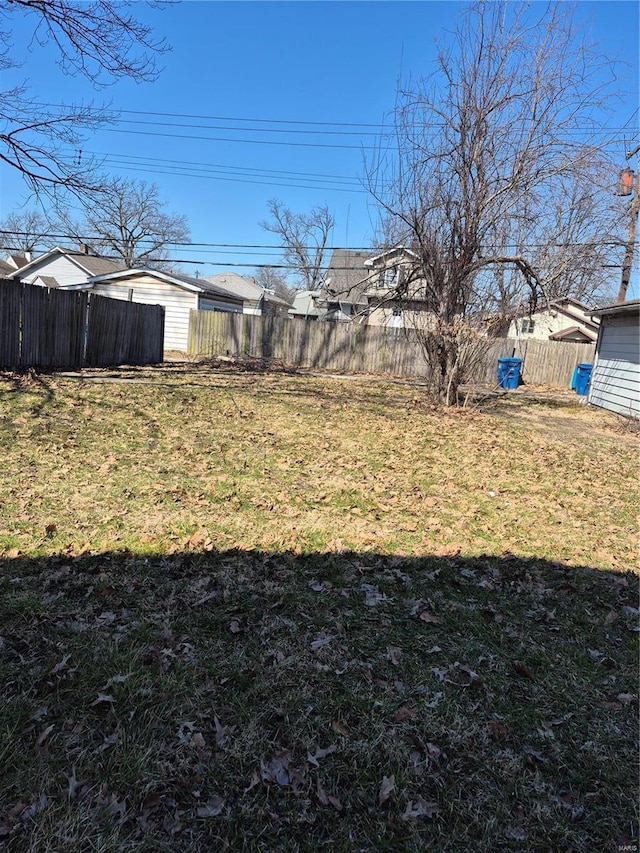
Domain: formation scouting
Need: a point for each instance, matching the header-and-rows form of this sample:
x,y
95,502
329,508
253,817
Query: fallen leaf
x,y
394,653
61,665
404,713
434,751
534,755
497,729
326,798
319,754
212,808
340,728
373,596
103,697
419,808
277,769
255,780
429,618
387,787
321,641
44,735
234,626
626,698
523,670
221,732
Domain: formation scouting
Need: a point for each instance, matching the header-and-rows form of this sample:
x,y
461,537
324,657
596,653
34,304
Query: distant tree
x,y
271,279
304,239
493,180
25,231
99,40
126,221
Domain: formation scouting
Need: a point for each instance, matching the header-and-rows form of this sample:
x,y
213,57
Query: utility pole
x,y
628,252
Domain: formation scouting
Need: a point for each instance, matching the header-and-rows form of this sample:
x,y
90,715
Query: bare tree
x,y
26,231
486,180
271,279
125,221
304,237
100,40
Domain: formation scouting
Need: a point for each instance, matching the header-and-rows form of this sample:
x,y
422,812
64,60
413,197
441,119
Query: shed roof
x,y
49,280
188,282
564,334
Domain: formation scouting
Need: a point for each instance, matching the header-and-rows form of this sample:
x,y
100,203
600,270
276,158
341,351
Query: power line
x,y
230,118
249,169
154,170
242,141
280,247
379,126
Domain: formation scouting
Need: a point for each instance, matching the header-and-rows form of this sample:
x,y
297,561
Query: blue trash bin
x,y
583,378
574,378
509,372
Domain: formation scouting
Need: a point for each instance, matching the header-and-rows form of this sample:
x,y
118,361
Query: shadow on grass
x,y
245,700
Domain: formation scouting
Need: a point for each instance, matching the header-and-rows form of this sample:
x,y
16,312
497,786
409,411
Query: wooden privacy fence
x,y
353,348
46,327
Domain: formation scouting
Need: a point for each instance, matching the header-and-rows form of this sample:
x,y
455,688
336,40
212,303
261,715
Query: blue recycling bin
x,y
583,377
574,378
509,372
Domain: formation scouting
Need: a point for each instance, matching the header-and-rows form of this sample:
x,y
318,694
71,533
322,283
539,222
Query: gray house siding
x,y
615,381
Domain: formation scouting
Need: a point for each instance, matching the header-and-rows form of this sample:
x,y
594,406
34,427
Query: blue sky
x,y
307,85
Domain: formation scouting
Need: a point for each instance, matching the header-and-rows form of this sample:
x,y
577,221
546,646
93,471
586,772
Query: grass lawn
x,y
267,612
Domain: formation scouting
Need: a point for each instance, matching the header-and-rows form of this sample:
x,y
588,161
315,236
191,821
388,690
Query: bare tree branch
x,y
495,176
304,236
125,221
102,41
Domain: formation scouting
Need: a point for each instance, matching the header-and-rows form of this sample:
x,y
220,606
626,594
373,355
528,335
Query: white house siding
x,y
65,272
176,302
615,381
545,323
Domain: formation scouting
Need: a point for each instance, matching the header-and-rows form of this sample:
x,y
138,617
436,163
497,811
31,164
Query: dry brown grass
x,y
255,611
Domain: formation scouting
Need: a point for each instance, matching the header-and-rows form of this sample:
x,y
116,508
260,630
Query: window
x,y
389,277
527,326
397,312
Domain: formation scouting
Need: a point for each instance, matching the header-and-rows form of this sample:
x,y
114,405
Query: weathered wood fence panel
x,y
52,325
10,323
354,348
45,328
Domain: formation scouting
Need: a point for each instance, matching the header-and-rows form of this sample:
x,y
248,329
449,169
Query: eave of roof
x,y
80,260
396,250
630,307
572,330
186,282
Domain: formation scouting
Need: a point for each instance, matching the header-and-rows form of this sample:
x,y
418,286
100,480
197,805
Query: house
x,y
562,320
64,268
309,305
396,297
16,260
377,289
615,378
343,290
256,300
6,269
177,293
